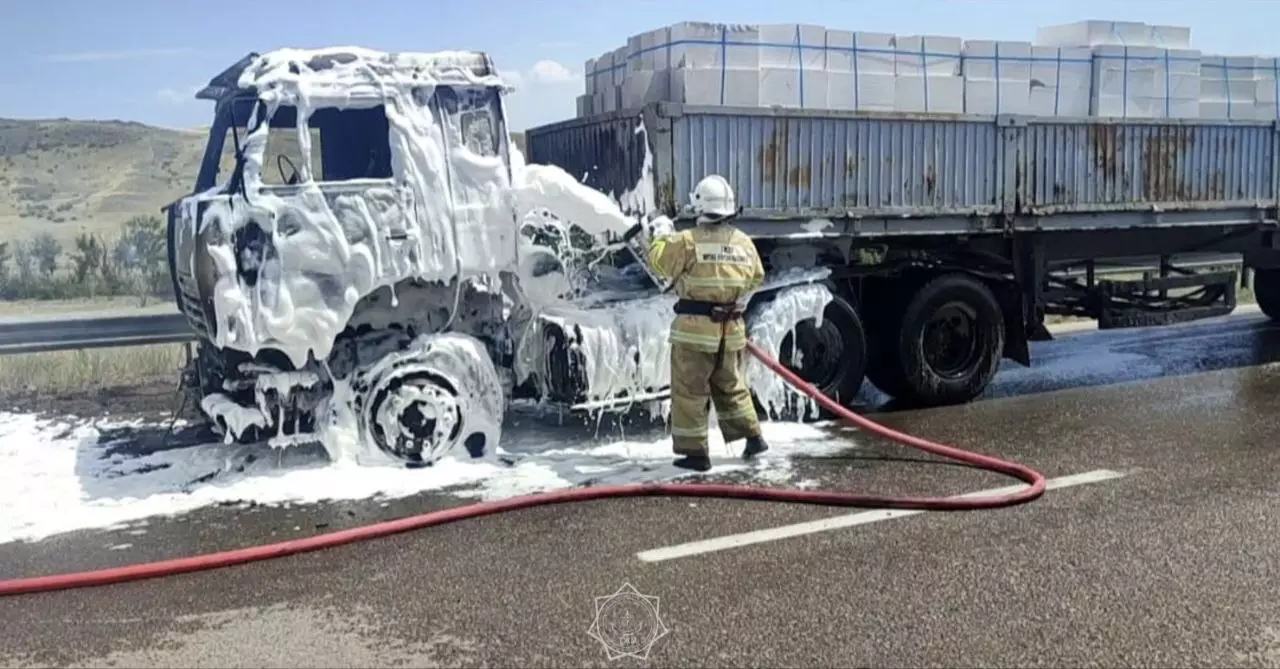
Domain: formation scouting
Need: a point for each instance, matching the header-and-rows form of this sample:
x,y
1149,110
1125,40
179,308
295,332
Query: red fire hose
x,y
207,561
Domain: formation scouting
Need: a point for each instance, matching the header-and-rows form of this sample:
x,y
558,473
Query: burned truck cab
x,y
348,202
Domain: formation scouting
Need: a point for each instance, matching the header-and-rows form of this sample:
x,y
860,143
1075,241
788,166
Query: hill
x,y
70,177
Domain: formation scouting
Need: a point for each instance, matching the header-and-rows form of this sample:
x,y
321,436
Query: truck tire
x,y
833,356
945,345
1266,290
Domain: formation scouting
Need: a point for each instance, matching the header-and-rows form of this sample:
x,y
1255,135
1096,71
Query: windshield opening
x,y
345,144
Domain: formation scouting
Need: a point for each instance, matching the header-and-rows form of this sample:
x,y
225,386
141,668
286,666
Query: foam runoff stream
x,y
59,476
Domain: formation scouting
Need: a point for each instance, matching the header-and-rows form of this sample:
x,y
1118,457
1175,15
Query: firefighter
x,y
711,268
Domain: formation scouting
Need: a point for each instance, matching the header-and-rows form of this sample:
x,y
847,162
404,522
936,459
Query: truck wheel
x,y
441,392
832,356
1266,290
950,339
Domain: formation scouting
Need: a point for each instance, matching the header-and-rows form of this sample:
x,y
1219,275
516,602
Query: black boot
x,y
697,463
755,446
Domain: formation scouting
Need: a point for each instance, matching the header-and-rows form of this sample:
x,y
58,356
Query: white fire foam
x,y
58,477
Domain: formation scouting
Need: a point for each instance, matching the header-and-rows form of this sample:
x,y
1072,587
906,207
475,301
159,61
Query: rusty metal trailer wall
x,y
904,173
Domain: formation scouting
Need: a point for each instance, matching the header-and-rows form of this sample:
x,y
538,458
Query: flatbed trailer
x,y
951,237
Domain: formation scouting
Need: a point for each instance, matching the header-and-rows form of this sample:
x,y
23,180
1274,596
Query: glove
x,y
655,228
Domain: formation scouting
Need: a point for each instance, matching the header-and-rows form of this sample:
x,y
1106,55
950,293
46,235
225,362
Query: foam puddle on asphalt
x,y
60,476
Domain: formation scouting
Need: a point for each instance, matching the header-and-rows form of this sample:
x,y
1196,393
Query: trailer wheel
x,y
833,356
949,343
1266,290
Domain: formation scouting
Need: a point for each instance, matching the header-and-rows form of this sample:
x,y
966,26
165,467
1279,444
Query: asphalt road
x,y
1172,564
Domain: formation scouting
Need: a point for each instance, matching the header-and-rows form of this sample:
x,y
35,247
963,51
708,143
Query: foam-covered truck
x,y
367,262
366,259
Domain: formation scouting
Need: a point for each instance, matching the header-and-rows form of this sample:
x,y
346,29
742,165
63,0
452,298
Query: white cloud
x,y
551,72
97,56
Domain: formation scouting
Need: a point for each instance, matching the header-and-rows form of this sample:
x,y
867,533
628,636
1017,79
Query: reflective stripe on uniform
x,y
694,432
746,410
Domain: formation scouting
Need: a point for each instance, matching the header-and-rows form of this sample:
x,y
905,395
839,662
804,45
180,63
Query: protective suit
x,y
711,268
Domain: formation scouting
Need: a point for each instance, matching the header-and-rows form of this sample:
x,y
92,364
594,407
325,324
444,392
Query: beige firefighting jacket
x,y
709,263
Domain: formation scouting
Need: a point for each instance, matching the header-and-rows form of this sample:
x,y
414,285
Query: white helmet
x,y
713,200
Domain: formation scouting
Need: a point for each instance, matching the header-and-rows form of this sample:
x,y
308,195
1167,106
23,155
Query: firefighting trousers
x,y
697,382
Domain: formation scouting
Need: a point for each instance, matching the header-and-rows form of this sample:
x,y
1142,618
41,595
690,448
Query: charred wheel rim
x,y
417,418
952,340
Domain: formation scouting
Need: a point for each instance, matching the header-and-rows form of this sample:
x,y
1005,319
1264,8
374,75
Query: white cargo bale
x,y
1061,81
793,88
932,94
612,99
732,88
1113,33
927,69
1145,82
861,91
584,106
791,45
928,54
650,51
698,46
997,77
601,76
646,86
1237,88
861,52
619,71
589,76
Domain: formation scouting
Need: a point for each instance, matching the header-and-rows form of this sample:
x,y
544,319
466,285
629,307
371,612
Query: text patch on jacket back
x,y
724,254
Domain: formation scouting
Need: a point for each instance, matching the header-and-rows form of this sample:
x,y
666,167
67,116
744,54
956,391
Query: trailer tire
x,y
950,339
1266,290
839,348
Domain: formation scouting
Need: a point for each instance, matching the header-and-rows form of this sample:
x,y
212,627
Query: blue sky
x,y
141,59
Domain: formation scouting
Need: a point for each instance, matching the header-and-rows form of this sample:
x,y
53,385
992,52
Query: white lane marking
x,y
850,520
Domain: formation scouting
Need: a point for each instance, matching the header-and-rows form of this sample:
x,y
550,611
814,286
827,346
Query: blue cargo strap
x,y
724,59
1275,76
997,60
1168,80
855,70
800,58
1226,83
924,73
1057,83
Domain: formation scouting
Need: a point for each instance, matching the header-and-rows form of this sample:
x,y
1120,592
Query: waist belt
x,y
718,312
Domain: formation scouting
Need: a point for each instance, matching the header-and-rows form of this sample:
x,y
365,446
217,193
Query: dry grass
x,y
123,306
88,369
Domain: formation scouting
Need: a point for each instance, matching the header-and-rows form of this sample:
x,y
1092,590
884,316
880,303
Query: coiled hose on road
x,y
229,558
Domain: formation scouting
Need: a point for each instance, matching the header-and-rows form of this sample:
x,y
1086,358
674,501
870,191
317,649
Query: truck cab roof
x,y
349,72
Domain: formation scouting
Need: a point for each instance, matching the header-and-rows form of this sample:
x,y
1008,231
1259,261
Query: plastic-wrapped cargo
x,y
997,77
1238,88
1114,33
927,74
1145,82
1061,81
589,77
696,63
793,60
584,106
861,70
